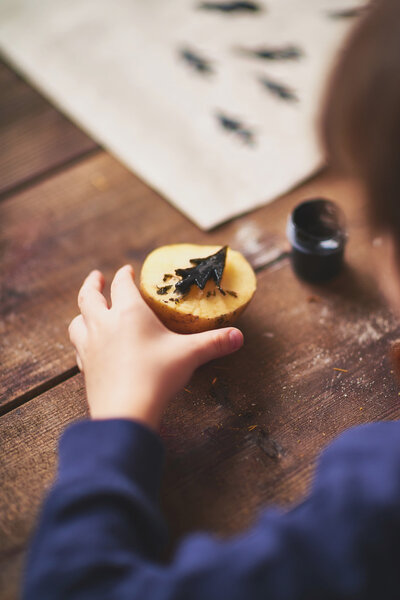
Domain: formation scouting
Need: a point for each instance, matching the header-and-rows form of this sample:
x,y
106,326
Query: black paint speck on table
x,y
278,89
231,7
237,127
197,62
268,53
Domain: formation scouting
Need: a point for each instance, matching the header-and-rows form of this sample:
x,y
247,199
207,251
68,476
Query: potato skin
x,y
186,323
237,270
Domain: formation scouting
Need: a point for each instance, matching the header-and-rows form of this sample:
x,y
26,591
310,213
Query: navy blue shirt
x,y
100,532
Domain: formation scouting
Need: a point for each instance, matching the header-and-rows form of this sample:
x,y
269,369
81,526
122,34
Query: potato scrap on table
x,y
194,288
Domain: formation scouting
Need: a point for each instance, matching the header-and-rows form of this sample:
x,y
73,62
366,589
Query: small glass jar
x,y
316,231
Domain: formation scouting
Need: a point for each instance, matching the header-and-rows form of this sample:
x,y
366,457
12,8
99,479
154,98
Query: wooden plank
x,y
35,137
250,438
98,214
29,443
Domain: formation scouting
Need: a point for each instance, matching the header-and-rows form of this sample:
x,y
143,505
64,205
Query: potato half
x,y
198,310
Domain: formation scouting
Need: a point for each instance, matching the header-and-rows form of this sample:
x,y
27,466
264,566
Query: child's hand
x,y
133,364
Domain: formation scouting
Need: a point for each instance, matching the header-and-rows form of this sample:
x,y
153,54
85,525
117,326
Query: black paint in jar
x,y
316,231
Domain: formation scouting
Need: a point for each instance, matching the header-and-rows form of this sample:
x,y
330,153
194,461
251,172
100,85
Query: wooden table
x,y
246,432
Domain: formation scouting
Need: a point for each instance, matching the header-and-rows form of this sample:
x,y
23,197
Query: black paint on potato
x,y
204,269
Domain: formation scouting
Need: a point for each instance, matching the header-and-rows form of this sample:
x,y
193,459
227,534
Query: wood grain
x,y
246,439
29,437
34,136
97,214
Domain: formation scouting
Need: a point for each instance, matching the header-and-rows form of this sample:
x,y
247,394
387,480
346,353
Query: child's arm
x,y
101,531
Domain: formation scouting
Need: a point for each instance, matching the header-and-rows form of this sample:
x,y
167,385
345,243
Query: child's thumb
x,y
215,344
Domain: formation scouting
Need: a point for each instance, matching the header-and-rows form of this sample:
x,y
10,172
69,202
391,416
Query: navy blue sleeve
x,y
101,531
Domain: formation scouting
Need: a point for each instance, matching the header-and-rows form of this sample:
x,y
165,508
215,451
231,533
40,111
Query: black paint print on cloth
x,y
278,89
195,61
231,7
236,127
284,53
347,13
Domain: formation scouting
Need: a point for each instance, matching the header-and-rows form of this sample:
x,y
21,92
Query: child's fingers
x,y
123,289
91,301
77,332
213,344
78,361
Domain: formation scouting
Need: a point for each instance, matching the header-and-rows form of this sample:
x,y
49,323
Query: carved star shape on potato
x,y
204,269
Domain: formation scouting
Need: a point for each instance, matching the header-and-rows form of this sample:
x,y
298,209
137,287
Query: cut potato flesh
x,y
198,310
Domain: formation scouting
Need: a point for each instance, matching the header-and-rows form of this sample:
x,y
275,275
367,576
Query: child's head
x,y
361,123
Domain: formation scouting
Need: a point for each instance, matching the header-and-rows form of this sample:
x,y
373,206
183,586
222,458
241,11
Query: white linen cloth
x,y
114,66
